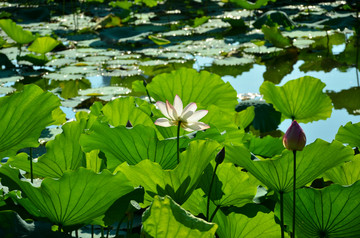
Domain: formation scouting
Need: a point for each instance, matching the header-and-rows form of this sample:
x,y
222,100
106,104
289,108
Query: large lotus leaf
x,y
231,187
329,212
301,99
350,134
43,45
236,225
178,183
122,110
245,117
94,162
267,146
222,120
203,88
131,145
345,174
76,198
62,154
165,218
249,5
274,36
16,32
277,173
23,116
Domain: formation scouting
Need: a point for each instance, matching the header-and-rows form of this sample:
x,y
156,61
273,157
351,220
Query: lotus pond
x,y
166,118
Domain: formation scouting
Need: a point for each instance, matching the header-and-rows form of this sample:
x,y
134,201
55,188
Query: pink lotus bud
x,y
294,138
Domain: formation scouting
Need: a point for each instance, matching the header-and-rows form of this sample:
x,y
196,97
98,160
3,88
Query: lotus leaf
x,y
350,134
346,173
165,218
23,116
16,32
43,45
301,99
277,173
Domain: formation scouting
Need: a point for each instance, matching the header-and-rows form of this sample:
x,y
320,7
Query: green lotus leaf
x,y
350,134
249,5
178,183
62,154
159,40
267,146
203,88
76,198
165,218
43,45
23,116
346,173
274,36
131,145
235,225
122,110
16,32
231,187
301,99
277,173
245,117
329,212
94,162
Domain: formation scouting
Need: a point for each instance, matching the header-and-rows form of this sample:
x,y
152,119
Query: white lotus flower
x,y
188,116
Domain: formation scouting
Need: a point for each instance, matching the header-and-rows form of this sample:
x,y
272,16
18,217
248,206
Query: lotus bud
x,y
294,138
220,156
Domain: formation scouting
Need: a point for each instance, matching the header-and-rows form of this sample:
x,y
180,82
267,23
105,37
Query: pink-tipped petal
x,y
196,126
162,108
164,122
188,111
178,105
196,116
171,111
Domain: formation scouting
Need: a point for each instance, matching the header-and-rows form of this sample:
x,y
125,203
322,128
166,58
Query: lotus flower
x,y
188,117
294,138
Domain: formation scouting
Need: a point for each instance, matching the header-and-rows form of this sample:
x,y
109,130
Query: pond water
x,y
114,57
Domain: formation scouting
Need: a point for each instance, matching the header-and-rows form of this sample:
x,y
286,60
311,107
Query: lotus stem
x,y
210,190
118,227
31,165
214,213
282,213
294,195
92,231
178,142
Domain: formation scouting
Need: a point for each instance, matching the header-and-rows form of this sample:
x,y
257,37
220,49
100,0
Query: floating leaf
x,y
62,154
43,45
164,218
159,40
277,173
329,212
23,116
301,99
131,145
350,134
16,32
76,198
178,183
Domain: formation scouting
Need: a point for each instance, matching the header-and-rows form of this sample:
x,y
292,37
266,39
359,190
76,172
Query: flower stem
x,y
282,213
178,142
210,189
294,195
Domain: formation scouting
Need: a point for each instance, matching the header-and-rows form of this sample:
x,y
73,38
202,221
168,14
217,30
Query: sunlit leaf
x,y
23,116
245,117
235,225
301,99
178,183
62,154
200,20
249,5
277,173
16,32
159,40
131,145
329,212
274,36
164,218
346,173
74,199
43,45
349,134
